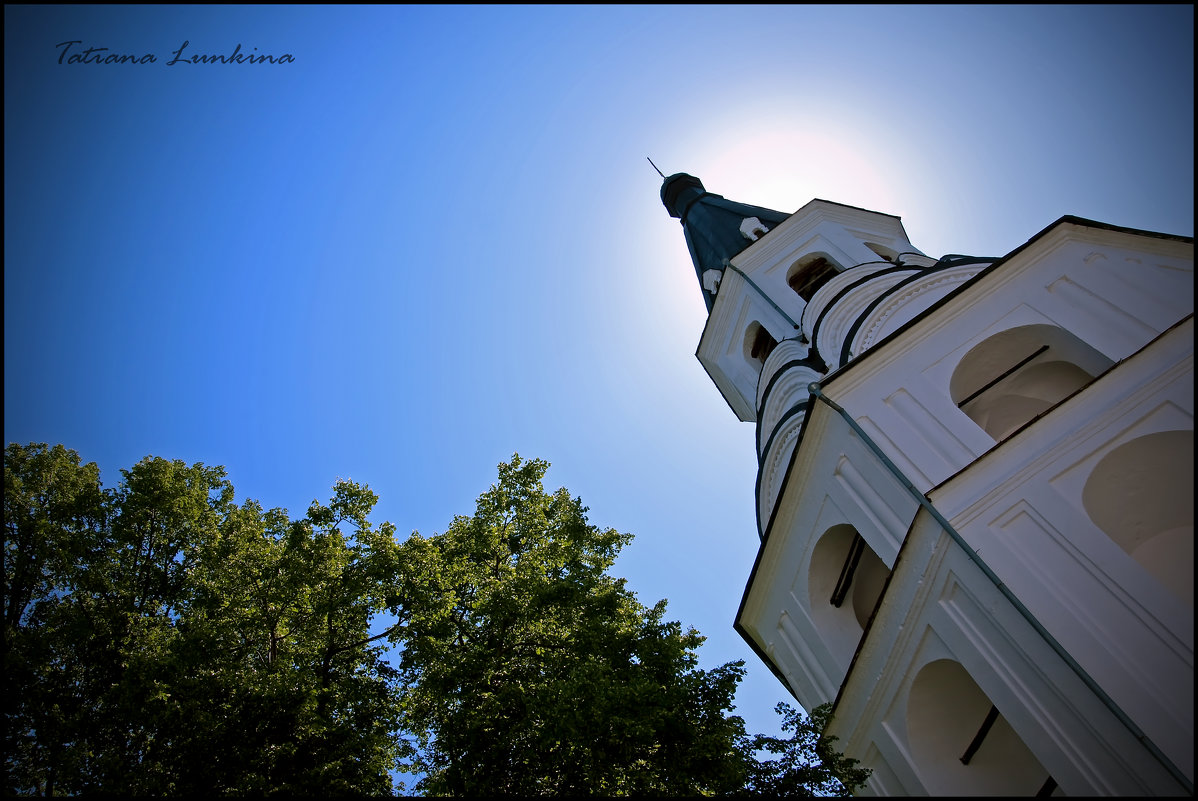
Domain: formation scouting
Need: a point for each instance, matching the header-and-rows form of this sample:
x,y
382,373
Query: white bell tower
x,y
760,269
974,492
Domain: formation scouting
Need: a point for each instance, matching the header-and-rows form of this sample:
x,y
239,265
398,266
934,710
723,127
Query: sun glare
x,y
783,163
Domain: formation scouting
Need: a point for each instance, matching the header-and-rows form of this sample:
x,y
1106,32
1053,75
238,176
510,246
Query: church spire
x,y
716,229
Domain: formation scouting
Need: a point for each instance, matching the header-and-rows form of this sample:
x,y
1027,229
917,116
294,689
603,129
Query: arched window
x,y
844,582
961,743
811,272
1142,495
759,344
1017,374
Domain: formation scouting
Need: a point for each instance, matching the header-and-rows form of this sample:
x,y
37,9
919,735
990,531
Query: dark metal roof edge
x,y
765,659
1122,229
847,206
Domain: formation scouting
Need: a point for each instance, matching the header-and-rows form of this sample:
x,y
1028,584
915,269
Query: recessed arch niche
x,y
1005,381
1142,495
961,743
845,580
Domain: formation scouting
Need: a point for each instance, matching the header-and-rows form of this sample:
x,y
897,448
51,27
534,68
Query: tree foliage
x,y
804,764
531,671
160,639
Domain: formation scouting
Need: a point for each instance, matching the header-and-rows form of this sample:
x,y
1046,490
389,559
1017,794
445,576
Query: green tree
x,y
159,639
804,764
531,671
52,506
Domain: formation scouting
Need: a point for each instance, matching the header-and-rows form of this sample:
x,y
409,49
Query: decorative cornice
x,y
787,353
865,331
787,392
777,456
830,292
839,317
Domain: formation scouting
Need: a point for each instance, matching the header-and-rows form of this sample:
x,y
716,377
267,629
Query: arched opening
x,y
962,744
845,580
810,273
1017,374
759,344
1142,495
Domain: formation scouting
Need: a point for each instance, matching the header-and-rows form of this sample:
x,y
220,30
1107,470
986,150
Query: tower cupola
x,y
716,229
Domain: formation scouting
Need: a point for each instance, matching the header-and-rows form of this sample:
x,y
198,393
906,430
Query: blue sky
x,y
434,240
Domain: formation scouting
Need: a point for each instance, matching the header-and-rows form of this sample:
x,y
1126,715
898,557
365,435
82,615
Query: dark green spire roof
x,y
711,223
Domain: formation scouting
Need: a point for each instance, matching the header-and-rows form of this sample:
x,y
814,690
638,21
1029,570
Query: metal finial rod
x,y
659,172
